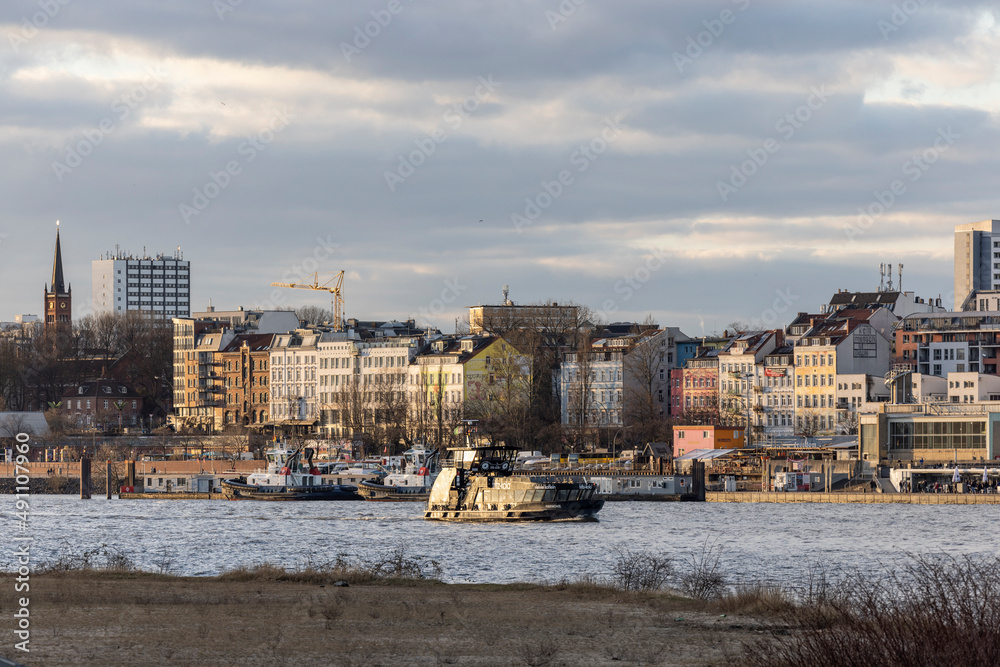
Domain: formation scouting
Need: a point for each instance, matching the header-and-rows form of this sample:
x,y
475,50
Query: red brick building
x,y
103,404
245,374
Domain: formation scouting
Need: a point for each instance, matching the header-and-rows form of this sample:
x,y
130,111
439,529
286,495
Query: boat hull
x,y
390,494
576,510
235,489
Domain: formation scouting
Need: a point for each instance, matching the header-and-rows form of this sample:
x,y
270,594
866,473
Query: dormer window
x,y
81,390
107,390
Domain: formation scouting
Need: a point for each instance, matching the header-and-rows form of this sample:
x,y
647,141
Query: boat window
x,y
519,496
550,494
562,496
538,495
574,495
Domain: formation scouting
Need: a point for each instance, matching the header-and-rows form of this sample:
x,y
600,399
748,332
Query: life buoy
x,y
286,471
423,472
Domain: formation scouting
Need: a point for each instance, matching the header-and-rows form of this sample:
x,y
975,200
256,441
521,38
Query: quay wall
x,y
864,498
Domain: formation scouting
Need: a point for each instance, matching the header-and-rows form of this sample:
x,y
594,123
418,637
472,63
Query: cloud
x,y
653,189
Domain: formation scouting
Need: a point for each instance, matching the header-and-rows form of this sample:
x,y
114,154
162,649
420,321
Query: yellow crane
x,y
336,300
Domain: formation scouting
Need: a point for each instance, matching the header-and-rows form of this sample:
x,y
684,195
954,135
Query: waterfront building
x,y
690,438
158,284
977,258
465,377
932,434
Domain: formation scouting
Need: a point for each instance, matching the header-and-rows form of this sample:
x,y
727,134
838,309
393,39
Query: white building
x,y
353,369
625,373
977,258
294,385
159,284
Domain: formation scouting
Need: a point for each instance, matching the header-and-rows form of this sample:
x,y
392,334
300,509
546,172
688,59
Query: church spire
x,y
58,286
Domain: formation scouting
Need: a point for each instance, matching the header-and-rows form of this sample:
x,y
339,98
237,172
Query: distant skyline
x,y
704,162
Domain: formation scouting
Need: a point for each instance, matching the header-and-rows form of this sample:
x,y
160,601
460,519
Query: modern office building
x,y
159,284
977,258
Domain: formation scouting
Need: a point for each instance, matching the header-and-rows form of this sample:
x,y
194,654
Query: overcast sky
x,y
701,161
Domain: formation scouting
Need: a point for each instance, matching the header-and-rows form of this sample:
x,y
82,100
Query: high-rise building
x,y
58,299
159,284
977,258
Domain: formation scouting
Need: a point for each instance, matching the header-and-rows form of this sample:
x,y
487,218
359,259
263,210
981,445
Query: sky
x,y
701,161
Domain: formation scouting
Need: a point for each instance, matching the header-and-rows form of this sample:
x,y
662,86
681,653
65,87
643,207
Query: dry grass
x,y
266,617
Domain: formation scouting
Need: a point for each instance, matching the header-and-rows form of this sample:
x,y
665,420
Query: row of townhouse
x,y
812,378
336,384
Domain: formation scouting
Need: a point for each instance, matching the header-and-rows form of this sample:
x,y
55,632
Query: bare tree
x,y
502,403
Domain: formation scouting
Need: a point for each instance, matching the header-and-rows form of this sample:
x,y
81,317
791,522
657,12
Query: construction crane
x,y
336,300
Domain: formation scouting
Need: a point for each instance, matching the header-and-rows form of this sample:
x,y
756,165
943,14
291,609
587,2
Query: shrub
x,y
640,570
927,612
703,579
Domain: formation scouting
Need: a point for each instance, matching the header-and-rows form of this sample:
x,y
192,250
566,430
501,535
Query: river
x,y
769,542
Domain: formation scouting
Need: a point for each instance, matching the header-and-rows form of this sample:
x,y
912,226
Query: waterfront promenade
x,y
864,498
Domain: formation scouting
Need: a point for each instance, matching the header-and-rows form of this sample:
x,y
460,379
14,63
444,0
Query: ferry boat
x,y
290,475
413,483
478,483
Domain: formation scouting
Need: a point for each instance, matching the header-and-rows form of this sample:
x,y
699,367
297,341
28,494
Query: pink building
x,y
689,438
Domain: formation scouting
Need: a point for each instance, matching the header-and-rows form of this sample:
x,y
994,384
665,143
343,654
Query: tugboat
x,y
290,475
412,484
478,484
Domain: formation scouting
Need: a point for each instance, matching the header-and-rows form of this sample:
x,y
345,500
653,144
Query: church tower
x,y
58,299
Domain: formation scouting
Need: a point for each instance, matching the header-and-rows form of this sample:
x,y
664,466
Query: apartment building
x,y
245,368
695,387
741,370
294,396
944,343
360,375
977,258
619,376
832,347
200,394
777,389
158,284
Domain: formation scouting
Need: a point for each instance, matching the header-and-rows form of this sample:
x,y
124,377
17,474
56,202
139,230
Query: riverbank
x,y
107,618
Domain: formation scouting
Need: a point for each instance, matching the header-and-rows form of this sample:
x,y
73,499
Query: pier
x,y
853,497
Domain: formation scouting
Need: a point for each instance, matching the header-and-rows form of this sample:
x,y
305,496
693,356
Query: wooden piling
x,y
85,479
